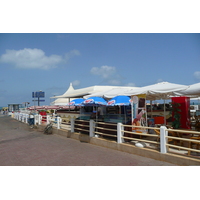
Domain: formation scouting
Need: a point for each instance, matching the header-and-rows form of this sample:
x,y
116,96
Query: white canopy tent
x,y
163,90
111,93
63,101
79,93
192,91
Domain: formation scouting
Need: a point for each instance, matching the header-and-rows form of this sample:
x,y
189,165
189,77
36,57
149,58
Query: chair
x,y
197,123
197,144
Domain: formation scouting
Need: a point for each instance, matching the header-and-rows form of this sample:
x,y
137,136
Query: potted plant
x,y
176,115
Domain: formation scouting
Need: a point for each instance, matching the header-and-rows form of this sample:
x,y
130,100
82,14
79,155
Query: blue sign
x,y
38,100
38,94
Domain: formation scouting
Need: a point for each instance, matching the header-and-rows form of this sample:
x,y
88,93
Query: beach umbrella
x,y
66,107
36,108
76,102
94,101
52,107
119,101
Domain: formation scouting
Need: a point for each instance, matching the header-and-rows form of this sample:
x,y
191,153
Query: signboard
x,y
39,100
38,94
139,117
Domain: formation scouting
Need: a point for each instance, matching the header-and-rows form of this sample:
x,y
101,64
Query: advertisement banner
x,y
139,115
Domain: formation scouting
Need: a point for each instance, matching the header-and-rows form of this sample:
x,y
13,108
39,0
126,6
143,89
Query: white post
x,y
35,119
58,122
120,133
92,126
163,134
26,118
72,124
47,119
39,119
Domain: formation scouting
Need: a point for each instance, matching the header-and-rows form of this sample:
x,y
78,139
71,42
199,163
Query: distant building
x,y
14,107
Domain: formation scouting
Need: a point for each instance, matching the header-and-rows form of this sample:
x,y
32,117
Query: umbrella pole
x,y
125,114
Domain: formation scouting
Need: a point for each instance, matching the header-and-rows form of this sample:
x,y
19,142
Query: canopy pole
x,y
131,111
151,108
164,113
69,103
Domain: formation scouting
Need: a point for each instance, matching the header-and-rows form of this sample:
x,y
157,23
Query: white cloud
x,y
114,82
103,71
131,84
76,83
197,75
160,80
34,58
108,74
71,54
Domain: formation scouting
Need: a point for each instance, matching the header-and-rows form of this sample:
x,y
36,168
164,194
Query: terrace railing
x,y
160,139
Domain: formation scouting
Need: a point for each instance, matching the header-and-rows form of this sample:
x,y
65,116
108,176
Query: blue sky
x,y
50,62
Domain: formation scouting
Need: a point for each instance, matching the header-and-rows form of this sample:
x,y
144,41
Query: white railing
x,y
38,119
120,132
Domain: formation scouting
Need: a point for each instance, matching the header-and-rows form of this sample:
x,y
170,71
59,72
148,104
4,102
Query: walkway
x,y
21,146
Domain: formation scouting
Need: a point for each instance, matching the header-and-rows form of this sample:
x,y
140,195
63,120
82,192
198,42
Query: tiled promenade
x,y
21,146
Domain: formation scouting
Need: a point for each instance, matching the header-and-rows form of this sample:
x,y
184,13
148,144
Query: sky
x,y
134,43
51,61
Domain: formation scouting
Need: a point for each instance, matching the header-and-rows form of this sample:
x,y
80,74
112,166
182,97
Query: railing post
x,y
39,119
26,118
58,122
163,133
120,133
47,119
92,127
35,119
72,124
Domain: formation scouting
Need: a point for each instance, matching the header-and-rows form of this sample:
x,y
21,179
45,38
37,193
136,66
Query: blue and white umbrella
x,y
76,102
95,101
119,101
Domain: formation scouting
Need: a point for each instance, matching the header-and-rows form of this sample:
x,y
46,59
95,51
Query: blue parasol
x,y
76,102
119,101
95,101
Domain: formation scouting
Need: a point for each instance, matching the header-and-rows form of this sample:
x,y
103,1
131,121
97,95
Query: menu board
x,y
139,116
